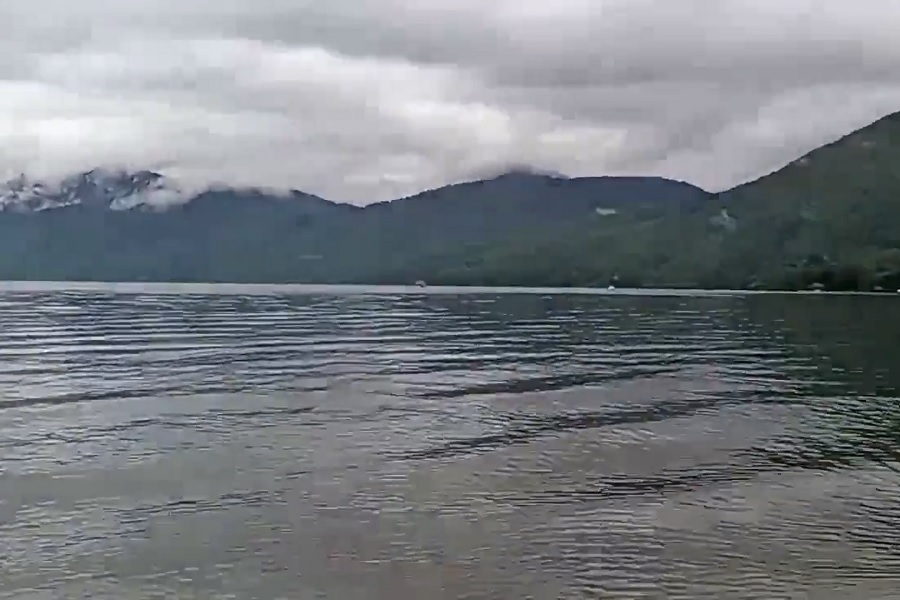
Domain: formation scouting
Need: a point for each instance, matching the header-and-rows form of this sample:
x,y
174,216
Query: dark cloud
x,y
365,99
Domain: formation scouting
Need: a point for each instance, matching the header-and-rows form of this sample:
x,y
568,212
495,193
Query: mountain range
x,y
830,219
125,226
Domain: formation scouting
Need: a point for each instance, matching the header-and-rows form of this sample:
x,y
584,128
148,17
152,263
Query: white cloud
x,y
367,99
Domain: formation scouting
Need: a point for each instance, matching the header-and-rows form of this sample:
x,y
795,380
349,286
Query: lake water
x,y
232,442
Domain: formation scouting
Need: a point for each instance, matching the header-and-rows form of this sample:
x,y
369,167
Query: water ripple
x,y
274,443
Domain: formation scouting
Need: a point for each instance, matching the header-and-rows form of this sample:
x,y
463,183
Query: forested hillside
x,y
829,219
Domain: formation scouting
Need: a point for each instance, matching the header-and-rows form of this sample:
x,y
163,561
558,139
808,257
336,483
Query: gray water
x,y
270,443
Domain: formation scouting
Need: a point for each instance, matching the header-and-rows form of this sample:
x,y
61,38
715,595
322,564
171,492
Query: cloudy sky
x,y
359,100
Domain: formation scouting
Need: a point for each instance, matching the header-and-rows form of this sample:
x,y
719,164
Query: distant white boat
x,y
420,284
611,287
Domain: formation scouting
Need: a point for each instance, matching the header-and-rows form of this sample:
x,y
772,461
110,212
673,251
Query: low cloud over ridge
x,y
364,100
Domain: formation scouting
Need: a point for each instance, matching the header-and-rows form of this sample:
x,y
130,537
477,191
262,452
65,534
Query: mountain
x,y
114,225
830,218
423,228
99,188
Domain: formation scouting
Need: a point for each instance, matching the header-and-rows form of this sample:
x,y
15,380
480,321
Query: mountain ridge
x,y
830,218
117,190
239,235
121,189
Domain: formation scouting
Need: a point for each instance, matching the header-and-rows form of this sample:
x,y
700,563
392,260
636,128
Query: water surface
x,y
217,442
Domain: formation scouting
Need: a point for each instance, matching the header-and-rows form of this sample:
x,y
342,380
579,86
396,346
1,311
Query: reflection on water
x,y
404,445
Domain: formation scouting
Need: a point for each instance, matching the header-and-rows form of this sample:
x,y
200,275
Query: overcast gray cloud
x,y
362,100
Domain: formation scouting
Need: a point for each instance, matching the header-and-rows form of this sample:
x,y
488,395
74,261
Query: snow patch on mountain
x,y
112,189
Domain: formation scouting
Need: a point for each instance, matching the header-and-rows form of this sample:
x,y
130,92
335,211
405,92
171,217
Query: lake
x,y
303,442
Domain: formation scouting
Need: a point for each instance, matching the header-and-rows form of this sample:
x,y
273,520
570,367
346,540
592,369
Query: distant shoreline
x,y
162,287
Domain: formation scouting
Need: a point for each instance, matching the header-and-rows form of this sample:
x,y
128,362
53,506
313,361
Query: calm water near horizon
x,y
213,441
